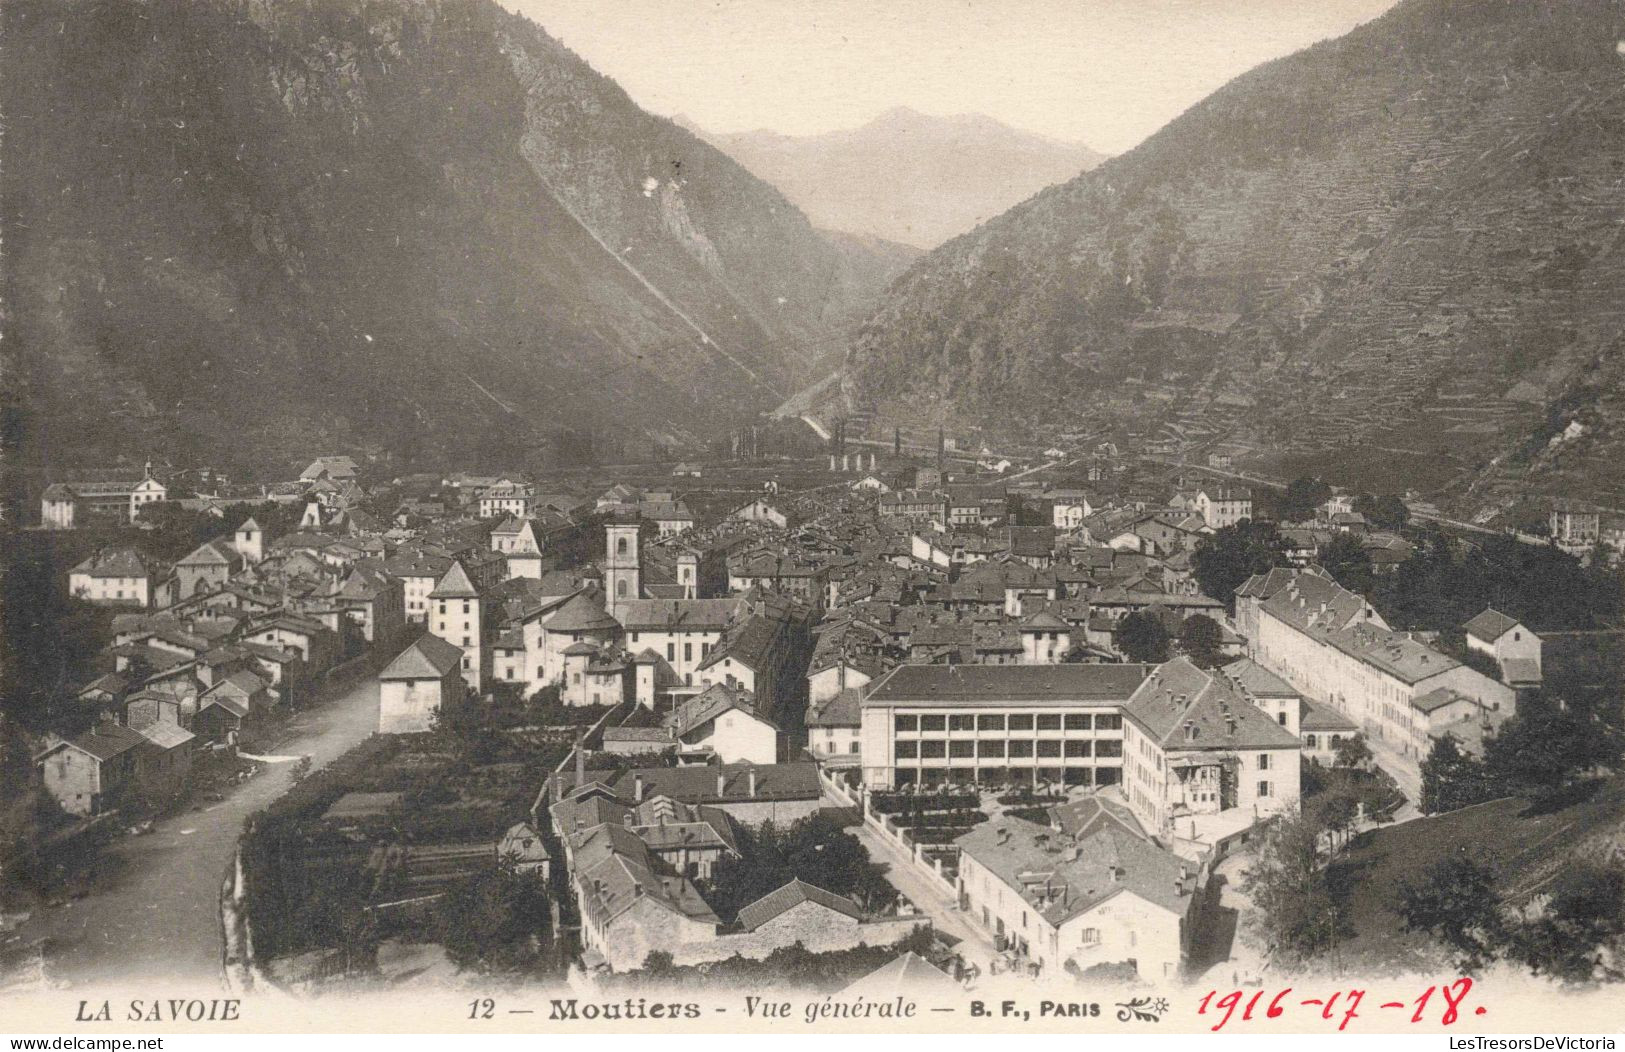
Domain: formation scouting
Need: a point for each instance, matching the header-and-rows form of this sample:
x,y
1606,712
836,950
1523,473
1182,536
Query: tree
x,y
1543,747
1346,560
1456,901
1200,638
1386,512
1225,559
1301,917
1143,637
1302,497
1352,751
815,849
1585,913
497,920
1451,779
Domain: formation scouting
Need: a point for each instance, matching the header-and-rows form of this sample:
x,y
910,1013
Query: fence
x,y
894,834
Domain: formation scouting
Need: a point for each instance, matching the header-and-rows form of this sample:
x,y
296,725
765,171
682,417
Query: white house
x,y
1069,507
760,511
1109,897
424,679
722,722
1201,763
1509,642
114,577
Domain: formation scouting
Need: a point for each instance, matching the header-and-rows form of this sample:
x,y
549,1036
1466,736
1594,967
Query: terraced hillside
x,y
1404,243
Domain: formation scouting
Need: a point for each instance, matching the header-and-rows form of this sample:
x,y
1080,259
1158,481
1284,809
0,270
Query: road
x,y
972,943
155,916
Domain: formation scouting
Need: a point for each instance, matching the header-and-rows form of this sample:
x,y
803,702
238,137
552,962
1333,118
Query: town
x,y
821,718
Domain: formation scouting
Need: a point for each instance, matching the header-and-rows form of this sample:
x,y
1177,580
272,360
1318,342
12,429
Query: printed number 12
x,y
481,1008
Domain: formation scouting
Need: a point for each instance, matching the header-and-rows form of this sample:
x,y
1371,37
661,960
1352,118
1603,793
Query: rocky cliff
x,y
239,228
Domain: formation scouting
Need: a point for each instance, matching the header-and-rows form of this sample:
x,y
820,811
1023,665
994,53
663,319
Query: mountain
x,y
1399,251
905,176
242,229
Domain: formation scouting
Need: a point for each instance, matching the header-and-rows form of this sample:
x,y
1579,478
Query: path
x,y
944,912
156,917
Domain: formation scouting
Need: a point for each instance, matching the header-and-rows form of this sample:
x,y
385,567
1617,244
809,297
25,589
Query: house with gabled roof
x,y
424,679
333,467
799,903
1510,642
1062,902
116,577
91,773
1203,764
721,724
208,567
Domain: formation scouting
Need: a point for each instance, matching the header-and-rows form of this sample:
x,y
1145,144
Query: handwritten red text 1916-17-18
x,y
1442,1003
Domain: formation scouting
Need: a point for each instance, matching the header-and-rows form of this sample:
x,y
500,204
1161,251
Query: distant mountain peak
x,y
905,176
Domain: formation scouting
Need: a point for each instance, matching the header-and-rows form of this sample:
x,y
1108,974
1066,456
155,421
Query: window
x,y
961,723
906,723
852,747
1090,936
465,606
933,723
990,748
1021,749
1108,723
688,651
1021,722
1263,789
1310,739
1109,748
1263,761
1079,721
933,748
990,723
1049,749
962,748
634,637
1280,717
1076,748
620,546
671,651
908,750
1049,721
442,606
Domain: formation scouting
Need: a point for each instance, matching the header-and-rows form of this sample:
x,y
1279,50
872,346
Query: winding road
x,y
154,915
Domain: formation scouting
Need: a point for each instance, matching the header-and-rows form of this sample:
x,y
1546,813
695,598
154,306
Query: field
x,y
1526,851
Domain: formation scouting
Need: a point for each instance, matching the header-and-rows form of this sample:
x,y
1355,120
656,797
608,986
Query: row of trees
x,y
1442,583
1144,636
1541,752
1302,498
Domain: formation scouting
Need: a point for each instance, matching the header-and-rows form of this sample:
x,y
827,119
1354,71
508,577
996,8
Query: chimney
x,y
752,782
637,788
1179,886
581,762
722,782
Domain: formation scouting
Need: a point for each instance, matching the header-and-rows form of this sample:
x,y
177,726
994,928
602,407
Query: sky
x,y
1107,73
